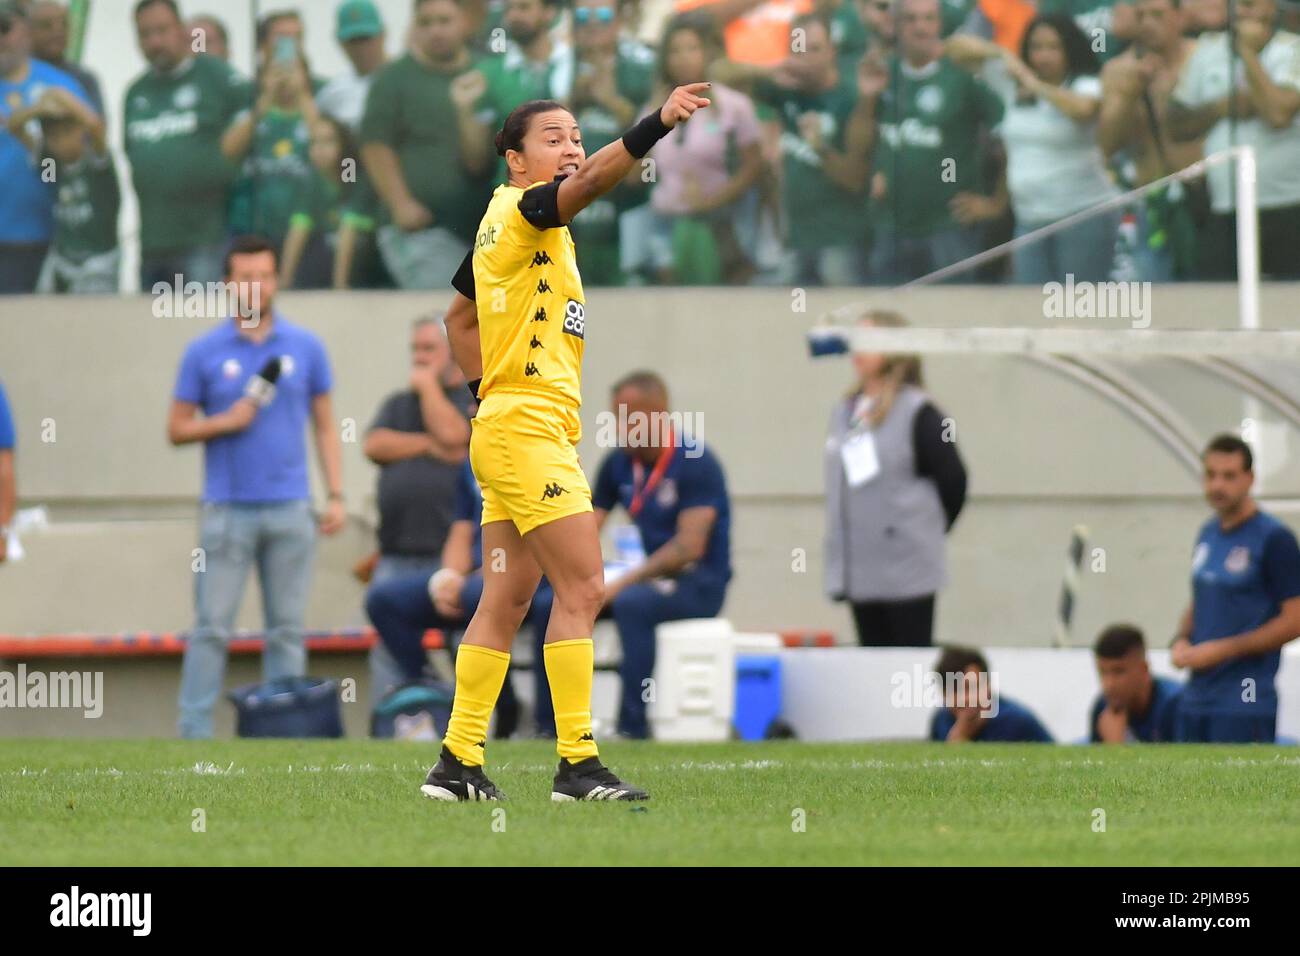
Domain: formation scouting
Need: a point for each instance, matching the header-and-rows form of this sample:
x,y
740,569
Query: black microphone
x,y
261,387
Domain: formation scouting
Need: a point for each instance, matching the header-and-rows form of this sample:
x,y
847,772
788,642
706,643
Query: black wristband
x,y
640,139
473,387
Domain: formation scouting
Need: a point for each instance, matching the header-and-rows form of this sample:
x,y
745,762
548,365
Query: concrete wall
x,y
1044,453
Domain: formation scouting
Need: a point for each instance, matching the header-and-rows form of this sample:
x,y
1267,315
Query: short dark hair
x,y
515,128
1118,640
804,19
642,379
1079,58
955,660
695,21
1228,445
215,22
144,5
249,245
271,19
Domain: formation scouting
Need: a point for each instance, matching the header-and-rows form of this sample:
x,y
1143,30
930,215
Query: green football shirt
x,y
173,128
929,125
409,109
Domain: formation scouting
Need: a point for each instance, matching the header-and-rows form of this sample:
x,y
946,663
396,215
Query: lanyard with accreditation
x,y
641,486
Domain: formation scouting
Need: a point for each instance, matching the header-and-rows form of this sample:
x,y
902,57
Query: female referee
x,y
516,326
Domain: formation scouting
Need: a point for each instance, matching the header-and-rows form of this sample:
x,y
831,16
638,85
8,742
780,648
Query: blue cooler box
x,y
758,694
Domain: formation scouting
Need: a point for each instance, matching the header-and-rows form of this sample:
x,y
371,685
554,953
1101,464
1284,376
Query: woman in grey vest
x,y
894,486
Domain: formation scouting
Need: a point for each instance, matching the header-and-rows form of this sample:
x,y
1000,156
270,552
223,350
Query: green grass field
x,y
86,802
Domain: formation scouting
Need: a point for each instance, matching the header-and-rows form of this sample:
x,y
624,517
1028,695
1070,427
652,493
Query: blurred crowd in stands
x,y
849,141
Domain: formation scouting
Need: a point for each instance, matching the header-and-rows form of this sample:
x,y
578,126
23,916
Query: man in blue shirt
x,y
258,380
8,486
673,489
1133,704
26,199
973,712
1245,606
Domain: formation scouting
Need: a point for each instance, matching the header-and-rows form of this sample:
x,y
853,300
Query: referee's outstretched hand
x,y
683,102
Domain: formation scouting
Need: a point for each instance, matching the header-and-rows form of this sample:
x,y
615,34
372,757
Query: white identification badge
x,y
860,461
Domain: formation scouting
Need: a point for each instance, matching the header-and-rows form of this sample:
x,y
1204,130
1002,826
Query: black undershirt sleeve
x,y
541,206
463,280
938,460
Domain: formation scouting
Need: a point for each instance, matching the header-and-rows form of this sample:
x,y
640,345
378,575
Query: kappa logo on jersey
x,y
540,315
536,343
552,490
543,286
540,259
575,319
1238,560
531,369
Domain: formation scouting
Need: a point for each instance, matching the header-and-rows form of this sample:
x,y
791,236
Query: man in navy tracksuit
x,y
1245,606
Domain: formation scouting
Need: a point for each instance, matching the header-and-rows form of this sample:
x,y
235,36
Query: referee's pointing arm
x,y
607,167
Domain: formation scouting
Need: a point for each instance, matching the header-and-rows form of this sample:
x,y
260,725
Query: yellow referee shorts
x,y
523,449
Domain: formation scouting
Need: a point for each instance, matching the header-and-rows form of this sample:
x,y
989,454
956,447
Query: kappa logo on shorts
x,y
575,319
553,490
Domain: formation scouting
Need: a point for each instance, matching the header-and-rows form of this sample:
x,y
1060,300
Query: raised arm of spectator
x,y
1276,105
1077,106
84,114
935,449
476,152
851,166
1122,84
1123,21
443,423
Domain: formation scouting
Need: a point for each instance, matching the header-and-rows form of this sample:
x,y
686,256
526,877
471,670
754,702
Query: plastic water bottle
x,y
1126,242
627,544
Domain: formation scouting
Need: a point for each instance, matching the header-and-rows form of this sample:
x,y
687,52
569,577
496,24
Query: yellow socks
x,y
480,672
569,666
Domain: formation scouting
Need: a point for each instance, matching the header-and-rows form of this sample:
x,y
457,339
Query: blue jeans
x,y
898,259
637,611
385,671
1086,251
203,264
1208,728
20,266
831,265
279,538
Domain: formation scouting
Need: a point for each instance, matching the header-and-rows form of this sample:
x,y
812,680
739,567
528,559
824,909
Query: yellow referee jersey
x,y
529,295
